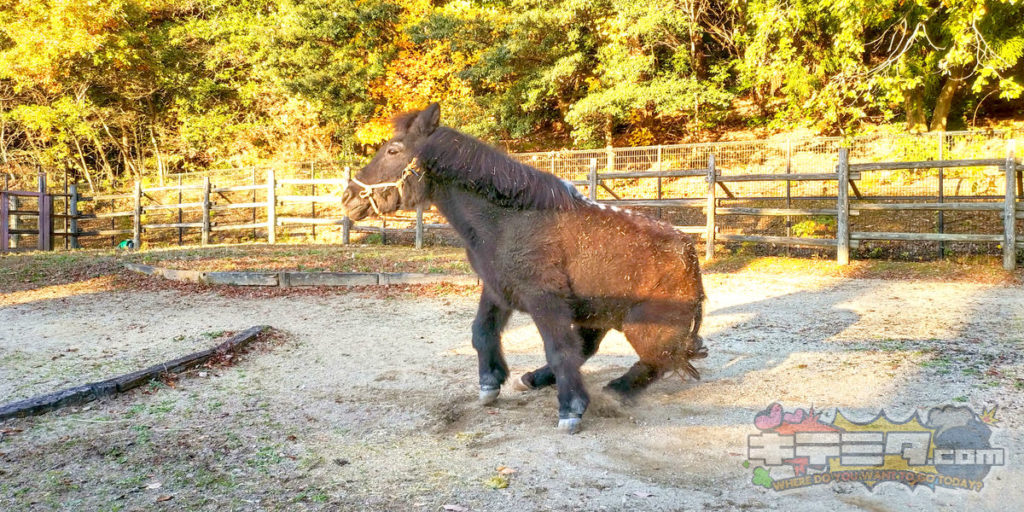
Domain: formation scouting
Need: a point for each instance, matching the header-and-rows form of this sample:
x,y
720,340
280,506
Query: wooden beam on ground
x,y
78,395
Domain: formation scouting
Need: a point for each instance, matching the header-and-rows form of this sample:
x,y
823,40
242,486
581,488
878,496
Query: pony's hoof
x,y
488,395
520,384
569,425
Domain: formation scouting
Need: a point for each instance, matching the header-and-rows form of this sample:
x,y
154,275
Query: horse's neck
x,y
471,216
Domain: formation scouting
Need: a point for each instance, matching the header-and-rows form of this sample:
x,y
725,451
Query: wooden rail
x,y
219,201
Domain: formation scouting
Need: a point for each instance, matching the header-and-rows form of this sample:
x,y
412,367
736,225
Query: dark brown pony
x,y
576,267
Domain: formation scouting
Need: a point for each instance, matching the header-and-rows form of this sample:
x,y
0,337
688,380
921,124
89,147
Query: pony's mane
x,y
458,159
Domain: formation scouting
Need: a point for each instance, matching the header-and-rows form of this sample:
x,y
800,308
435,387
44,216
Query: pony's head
x,y
393,180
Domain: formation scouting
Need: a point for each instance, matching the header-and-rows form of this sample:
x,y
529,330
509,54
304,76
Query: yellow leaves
x,y
374,132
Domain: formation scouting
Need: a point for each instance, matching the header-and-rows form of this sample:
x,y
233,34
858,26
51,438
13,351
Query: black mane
x,y
452,157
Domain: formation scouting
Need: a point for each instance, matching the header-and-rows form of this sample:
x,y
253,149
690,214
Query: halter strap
x,y
367,193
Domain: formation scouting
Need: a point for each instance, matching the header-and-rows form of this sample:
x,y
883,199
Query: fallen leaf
x,y
455,508
164,497
505,470
154,485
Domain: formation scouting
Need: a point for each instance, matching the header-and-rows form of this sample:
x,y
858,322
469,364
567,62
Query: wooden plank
x,y
106,232
106,215
239,188
925,237
777,212
824,176
174,225
691,230
310,221
19,231
235,206
172,187
961,206
843,208
655,203
681,173
928,164
232,227
78,395
309,199
106,197
317,181
778,240
175,206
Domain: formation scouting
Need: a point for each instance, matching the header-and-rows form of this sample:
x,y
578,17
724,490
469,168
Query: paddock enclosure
x,y
365,401
904,195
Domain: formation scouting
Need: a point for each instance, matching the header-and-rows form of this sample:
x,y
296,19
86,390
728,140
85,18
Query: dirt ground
x,y
366,401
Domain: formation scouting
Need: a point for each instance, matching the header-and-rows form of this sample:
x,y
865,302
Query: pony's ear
x,y
427,120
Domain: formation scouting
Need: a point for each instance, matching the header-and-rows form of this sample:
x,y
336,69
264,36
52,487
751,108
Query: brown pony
x,y
576,267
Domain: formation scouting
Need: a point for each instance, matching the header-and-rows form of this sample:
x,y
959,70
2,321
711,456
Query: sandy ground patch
x,y
368,402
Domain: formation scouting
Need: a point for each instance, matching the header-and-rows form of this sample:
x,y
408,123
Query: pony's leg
x,y
563,349
490,320
663,337
544,376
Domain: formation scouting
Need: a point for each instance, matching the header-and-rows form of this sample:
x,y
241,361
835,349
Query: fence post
x,y
137,217
941,136
43,220
419,226
271,207
843,208
1010,211
709,236
15,220
611,158
206,211
312,204
4,215
346,223
789,190
660,168
181,217
73,212
592,179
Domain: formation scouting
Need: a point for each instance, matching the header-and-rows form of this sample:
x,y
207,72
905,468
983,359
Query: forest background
x,y
115,90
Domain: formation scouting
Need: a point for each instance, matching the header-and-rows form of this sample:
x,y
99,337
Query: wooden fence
x,y
210,200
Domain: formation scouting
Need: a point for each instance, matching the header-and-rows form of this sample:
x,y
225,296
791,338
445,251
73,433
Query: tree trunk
x,y
913,100
944,103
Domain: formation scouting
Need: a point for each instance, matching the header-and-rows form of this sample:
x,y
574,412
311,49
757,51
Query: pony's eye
x,y
393,151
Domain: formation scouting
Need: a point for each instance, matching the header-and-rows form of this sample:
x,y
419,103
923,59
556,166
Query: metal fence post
x,y
137,217
206,211
843,208
611,158
1010,210
709,236
271,207
592,179
73,213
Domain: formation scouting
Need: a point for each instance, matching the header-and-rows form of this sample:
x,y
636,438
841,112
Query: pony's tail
x,y
694,345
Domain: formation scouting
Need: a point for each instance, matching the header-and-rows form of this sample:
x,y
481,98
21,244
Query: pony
x,y
578,268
